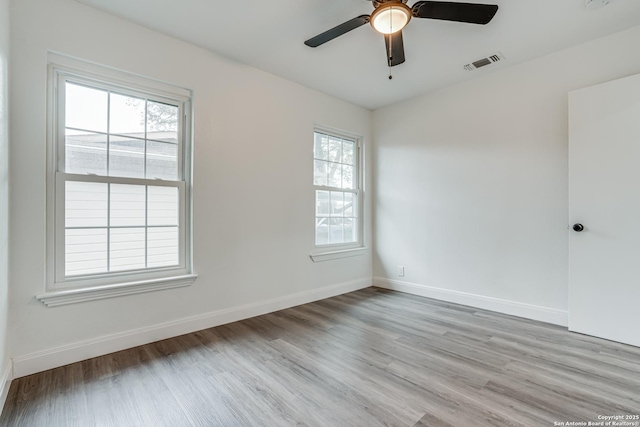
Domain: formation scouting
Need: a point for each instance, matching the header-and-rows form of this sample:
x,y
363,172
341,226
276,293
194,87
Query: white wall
x,y
253,200
4,198
471,182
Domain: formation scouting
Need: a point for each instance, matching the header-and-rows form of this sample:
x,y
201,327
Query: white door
x,y
604,196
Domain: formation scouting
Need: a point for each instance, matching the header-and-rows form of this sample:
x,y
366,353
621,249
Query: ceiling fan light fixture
x,y
390,18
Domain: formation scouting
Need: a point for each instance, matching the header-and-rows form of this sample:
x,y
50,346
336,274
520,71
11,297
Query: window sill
x,y
72,296
346,253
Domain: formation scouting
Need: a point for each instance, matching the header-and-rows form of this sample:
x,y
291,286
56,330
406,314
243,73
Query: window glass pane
x,y
319,172
348,178
120,227
126,249
349,204
162,208
322,231
163,247
335,165
162,161
162,122
85,251
126,115
163,136
336,230
334,175
337,203
85,108
348,148
335,149
126,157
127,205
321,146
349,230
322,203
85,204
85,153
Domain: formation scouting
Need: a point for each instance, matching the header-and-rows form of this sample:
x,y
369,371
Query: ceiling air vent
x,y
484,61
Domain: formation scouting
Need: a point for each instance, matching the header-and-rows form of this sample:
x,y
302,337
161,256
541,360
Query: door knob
x,y
578,227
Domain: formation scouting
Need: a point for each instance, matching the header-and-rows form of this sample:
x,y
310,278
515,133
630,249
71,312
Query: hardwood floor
x,y
367,358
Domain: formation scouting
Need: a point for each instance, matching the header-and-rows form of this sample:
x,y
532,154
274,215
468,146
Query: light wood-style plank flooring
x,y
368,358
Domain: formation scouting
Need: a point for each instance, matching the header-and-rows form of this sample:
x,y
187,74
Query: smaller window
x,y
337,190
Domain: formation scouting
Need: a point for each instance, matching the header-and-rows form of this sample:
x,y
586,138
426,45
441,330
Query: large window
x,y
337,190
121,169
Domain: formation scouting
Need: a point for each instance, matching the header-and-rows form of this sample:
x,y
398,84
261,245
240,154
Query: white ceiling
x,y
269,35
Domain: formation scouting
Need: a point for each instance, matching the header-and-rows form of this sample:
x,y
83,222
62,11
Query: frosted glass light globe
x,y
390,18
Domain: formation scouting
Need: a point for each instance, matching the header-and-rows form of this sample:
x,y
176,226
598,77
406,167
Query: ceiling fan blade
x,y
460,12
337,31
395,48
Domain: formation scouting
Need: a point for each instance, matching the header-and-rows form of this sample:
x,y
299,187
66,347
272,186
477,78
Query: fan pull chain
x,y
390,55
390,41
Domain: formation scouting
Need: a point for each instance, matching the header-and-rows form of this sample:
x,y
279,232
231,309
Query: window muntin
x,y
121,183
337,193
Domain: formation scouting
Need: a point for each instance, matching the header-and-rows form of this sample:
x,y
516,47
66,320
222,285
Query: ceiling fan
x,y
389,17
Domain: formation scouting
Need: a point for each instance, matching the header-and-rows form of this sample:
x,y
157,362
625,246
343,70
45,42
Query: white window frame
x,y
341,250
61,289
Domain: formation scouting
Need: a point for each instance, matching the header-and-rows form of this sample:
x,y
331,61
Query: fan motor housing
x,y
377,3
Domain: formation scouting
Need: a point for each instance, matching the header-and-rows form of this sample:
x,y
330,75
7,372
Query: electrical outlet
x,y
401,271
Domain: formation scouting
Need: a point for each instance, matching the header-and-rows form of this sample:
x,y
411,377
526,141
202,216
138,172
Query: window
x,y
337,191
121,195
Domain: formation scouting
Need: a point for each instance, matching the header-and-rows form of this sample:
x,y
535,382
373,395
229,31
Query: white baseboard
x,y
63,355
5,384
528,311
